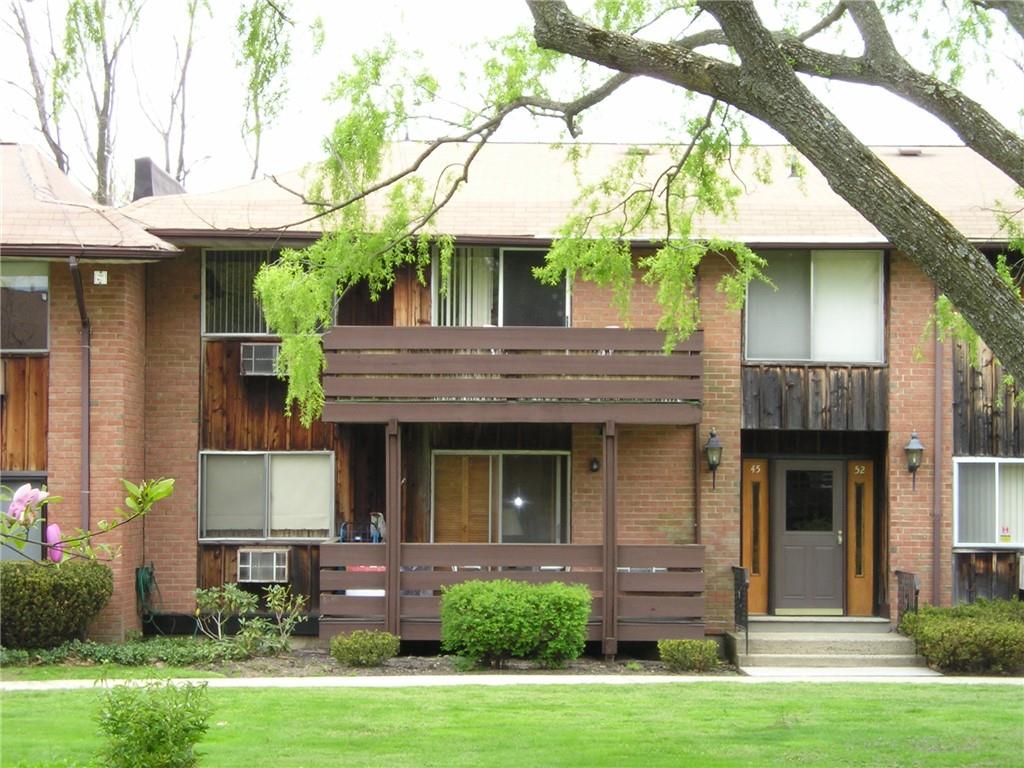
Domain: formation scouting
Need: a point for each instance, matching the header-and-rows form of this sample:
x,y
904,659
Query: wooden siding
x,y
24,412
988,419
218,565
816,397
660,590
557,375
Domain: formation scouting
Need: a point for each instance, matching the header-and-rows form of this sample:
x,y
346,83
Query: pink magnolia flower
x,y
56,545
24,498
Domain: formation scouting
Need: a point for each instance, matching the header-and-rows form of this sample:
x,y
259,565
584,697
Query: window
x,y
510,497
989,502
828,308
496,286
266,495
34,548
229,306
24,306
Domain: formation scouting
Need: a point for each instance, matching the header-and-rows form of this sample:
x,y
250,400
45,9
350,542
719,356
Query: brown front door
x,y
807,536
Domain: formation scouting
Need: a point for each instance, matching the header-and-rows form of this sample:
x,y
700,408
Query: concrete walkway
x,y
788,675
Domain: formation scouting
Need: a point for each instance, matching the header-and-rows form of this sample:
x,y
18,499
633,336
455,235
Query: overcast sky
x,y
646,112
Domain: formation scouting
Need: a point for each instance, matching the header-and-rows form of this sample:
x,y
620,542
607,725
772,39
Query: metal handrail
x,y
741,616
908,589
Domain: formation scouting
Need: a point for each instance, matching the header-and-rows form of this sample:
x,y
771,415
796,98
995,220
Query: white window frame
x,y
202,300
266,512
435,286
810,301
49,302
491,482
995,544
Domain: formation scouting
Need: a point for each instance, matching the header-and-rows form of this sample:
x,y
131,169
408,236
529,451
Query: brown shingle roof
x,y
527,190
43,212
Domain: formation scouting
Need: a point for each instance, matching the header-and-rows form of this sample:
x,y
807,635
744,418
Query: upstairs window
x,y
496,286
24,306
828,307
989,502
229,306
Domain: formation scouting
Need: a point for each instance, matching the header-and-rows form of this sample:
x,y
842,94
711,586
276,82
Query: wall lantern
x,y
594,465
713,451
915,452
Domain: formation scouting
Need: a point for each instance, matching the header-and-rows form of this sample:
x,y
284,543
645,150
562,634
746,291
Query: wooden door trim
x,y
860,489
754,531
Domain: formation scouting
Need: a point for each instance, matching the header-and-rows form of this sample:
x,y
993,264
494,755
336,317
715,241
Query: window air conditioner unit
x,y
259,359
262,566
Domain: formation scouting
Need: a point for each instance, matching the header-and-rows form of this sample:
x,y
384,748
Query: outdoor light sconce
x,y
713,451
594,464
915,452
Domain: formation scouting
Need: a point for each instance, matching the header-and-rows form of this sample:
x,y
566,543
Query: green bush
x,y
364,648
175,651
493,621
44,606
985,637
689,655
153,726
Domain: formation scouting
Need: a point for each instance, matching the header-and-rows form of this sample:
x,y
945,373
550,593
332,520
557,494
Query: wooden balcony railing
x,y
416,374
659,590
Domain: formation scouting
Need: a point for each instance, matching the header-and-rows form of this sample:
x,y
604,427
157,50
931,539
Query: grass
x,y
706,724
100,672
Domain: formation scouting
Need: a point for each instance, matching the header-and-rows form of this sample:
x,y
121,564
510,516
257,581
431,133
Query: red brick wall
x,y
593,307
654,503
116,312
720,506
911,408
172,425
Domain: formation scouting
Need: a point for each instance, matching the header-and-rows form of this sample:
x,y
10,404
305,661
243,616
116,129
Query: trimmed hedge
x,y
364,648
689,655
985,637
175,651
44,606
490,622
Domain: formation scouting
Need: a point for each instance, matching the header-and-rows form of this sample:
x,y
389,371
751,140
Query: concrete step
x,y
824,660
822,643
819,624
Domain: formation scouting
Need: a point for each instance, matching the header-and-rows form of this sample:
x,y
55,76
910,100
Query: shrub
x,y
216,606
493,621
176,651
153,726
44,606
982,637
364,648
689,655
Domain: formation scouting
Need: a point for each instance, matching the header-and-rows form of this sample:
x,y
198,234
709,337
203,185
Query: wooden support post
x,y
393,534
610,643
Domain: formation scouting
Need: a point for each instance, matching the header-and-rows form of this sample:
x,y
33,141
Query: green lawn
x,y
100,672
647,725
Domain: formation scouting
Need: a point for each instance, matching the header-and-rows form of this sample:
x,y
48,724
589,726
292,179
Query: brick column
x,y
720,507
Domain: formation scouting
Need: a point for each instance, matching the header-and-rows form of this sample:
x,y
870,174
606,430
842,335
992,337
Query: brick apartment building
x,y
511,427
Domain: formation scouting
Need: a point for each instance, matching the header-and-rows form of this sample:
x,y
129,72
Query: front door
x,y
807,535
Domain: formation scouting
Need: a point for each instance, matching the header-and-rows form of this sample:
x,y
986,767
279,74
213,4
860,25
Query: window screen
x,y
472,296
1011,503
531,503
779,319
234,495
24,306
229,305
301,494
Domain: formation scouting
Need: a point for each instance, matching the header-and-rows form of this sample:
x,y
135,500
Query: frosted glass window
x,y
1011,503
261,495
846,306
234,495
301,494
779,319
826,306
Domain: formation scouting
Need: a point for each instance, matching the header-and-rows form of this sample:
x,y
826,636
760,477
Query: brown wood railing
x,y
520,374
819,397
659,591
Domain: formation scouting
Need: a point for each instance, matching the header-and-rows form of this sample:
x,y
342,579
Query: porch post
x,y
610,643
393,534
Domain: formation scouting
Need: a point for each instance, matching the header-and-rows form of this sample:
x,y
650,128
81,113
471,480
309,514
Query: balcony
x,y
522,374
